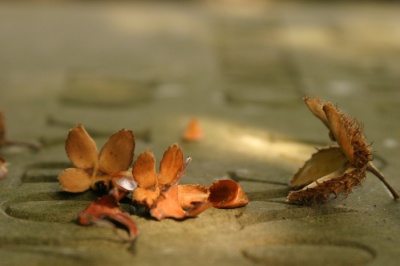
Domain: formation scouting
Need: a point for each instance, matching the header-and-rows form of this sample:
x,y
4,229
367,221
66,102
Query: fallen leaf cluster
x,y
337,169
160,193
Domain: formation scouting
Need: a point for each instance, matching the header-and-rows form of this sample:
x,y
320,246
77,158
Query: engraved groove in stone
x,y
304,254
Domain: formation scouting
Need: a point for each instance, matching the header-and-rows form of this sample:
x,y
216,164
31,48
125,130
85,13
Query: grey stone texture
x,y
242,70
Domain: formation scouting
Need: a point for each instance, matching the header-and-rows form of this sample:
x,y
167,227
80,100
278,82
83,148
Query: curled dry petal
x,y
322,163
171,165
193,131
81,148
227,194
315,105
340,131
3,168
74,180
107,208
117,153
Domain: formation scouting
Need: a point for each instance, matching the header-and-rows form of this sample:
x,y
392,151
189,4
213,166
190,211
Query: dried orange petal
x,y
193,132
190,195
171,165
167,205
81,148
144,171
227,194
74,180
117,153
146,196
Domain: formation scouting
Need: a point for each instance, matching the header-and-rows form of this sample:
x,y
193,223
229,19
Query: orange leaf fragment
x,y
93,170
334,170
105,209
227,194
193,131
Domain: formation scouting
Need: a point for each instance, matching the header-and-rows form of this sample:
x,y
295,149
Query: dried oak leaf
x,y
193,131
3,168
334,170
92,169
106,210
159,192
226,194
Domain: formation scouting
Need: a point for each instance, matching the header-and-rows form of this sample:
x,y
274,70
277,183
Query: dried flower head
x,y
93,169
193,131
334,170
107,211
159,192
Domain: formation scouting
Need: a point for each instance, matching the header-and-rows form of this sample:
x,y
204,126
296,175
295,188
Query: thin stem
x,y
371,168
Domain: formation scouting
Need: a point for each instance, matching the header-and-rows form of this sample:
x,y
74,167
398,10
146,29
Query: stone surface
x,y
242,71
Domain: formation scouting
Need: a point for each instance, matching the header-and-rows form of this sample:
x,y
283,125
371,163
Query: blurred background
x,y
244,55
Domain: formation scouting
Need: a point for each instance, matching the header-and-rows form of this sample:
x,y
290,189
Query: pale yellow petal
x,y
315,105
117,153
81,148
74,180
322,163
